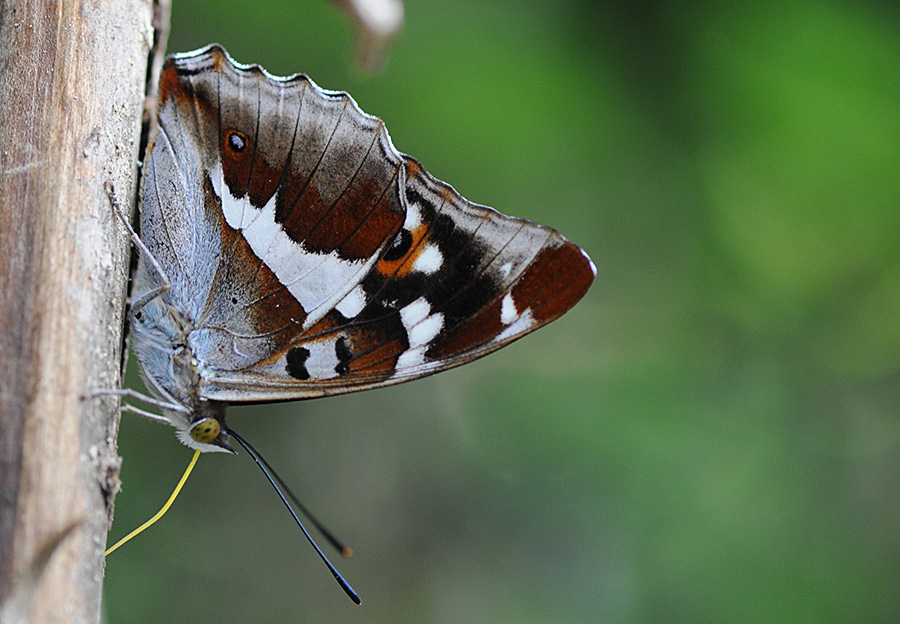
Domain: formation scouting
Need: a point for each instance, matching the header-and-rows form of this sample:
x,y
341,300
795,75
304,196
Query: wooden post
x,y
72,82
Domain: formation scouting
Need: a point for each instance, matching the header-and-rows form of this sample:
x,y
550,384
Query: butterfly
x,y
289,251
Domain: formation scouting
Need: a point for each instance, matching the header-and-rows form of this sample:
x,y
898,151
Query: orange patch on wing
x,y
380,359
219,61
403,265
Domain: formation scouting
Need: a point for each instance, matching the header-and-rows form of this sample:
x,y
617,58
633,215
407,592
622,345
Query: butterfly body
x,y
294,253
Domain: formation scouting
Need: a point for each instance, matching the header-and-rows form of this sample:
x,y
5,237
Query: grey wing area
x,y
181,235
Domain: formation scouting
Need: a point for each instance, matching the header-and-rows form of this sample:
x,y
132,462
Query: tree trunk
x,y
72,83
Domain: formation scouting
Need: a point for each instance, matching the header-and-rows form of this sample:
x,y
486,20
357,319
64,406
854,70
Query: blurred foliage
x,y
711,436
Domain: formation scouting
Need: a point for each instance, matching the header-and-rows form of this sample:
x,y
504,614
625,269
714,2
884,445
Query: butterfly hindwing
x,y
459,281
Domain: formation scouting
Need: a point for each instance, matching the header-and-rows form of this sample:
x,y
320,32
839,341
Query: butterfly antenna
x,y
161,512
332,539
264,466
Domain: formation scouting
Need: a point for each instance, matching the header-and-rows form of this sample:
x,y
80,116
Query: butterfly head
x,y
206,431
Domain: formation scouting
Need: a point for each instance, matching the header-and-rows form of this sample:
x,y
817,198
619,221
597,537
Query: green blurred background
x,y
712,435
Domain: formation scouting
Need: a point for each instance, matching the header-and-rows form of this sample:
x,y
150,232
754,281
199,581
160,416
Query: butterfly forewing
x,y
303,194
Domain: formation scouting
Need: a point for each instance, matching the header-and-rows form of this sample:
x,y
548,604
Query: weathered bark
x,y
72,79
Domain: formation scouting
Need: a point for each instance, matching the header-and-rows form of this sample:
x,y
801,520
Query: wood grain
x,y
72,84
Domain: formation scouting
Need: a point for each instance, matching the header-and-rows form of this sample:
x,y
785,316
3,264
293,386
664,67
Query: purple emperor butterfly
x,y
289,251
298,254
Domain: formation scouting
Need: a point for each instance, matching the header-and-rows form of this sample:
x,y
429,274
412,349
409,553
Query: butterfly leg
x,y
136,240
148,415
131,408
143,398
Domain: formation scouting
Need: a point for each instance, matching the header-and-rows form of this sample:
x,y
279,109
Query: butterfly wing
x,y
265,200
342,264
460,282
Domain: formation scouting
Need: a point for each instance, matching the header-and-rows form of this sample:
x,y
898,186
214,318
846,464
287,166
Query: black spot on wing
x,y
399,247
236,141
296,363
344,355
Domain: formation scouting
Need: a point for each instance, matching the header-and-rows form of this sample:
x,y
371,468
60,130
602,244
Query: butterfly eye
x,y
236,142
399,247
206,430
